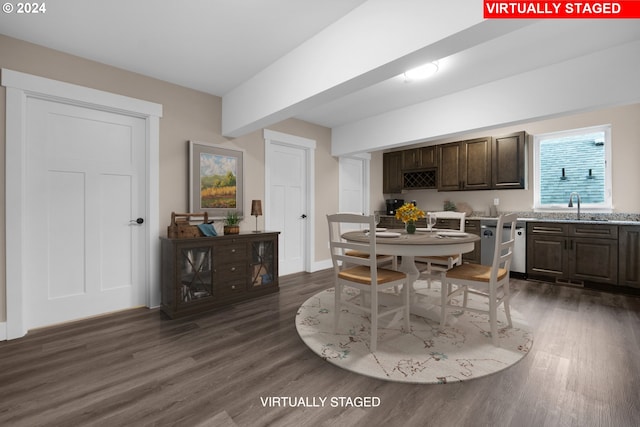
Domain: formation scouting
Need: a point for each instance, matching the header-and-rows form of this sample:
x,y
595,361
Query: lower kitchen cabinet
x,y
472,226
208,272
629,256
573,253
593,260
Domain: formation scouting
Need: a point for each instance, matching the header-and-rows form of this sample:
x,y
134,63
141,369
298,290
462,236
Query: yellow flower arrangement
x,y
409,213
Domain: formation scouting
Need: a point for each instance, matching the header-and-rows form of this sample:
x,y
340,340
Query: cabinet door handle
x,y
233,269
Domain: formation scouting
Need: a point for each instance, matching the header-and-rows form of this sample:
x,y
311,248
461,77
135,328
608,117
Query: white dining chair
x,y
435,265
364,274
381,259
491,281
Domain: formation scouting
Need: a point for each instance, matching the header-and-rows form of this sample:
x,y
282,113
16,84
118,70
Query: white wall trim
x,y
274,137
20,87
296,141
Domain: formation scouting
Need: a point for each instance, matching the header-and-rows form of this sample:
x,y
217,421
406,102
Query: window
x,y
573,161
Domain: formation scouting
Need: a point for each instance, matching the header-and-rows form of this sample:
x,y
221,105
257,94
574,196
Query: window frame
x,y
607,205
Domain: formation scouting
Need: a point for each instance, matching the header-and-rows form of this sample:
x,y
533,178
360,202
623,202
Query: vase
x,y
231,229
410,226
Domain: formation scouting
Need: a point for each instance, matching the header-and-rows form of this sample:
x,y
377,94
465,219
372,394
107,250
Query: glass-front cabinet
x,y
195,274
262,263
200,274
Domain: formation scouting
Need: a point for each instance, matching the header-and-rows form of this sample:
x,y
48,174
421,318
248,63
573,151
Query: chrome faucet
x,y
571,201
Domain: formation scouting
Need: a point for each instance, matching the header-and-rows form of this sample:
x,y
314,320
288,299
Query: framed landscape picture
x,y
216,179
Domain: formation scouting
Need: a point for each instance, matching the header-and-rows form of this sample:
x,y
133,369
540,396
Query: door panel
x,y
85,183
287,204
352,186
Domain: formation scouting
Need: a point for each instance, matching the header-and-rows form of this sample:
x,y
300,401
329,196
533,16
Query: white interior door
x,y
85,184
354,185
289,198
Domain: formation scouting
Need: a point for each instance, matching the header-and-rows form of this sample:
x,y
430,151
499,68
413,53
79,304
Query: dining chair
x,y
438,264
381,259
364,274
491,281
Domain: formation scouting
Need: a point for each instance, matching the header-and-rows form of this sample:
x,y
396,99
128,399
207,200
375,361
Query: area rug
x,y
425,355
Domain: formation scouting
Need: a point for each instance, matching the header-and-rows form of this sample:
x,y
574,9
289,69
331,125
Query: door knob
x,y
137,221
303,216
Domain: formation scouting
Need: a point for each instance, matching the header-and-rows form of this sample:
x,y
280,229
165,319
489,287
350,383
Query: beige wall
x,y
187,115
625,123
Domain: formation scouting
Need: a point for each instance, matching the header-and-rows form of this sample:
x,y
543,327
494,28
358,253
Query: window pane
x,y
572,163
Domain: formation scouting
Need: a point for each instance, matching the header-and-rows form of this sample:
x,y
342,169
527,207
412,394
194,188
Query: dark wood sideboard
x,y
205,273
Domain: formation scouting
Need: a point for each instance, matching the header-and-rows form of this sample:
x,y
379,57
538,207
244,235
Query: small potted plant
x,y
231,223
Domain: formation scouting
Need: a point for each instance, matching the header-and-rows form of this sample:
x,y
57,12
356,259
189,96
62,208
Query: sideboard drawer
x,y
232,288
231,271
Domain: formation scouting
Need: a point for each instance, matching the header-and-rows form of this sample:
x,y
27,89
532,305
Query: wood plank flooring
x,y
136,368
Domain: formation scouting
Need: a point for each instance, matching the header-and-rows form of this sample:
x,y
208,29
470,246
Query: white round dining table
x,y
428,243
435,243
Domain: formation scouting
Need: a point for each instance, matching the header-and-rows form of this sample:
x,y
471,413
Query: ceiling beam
x,y
598,80
374,42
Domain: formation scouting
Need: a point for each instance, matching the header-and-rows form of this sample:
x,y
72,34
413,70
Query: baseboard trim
x,y
321,265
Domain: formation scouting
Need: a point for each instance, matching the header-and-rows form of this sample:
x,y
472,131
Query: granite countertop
x,y
586,217
611,219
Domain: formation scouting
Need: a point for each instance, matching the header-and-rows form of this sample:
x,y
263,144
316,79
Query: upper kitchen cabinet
x,y
465,165
392,172
476,164
419,158
508,161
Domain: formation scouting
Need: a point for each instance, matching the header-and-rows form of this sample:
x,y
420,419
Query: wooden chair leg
x,y
493,321
336,309
374,320
443,302
506,302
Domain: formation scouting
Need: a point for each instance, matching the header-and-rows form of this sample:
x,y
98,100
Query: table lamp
x,y
256,210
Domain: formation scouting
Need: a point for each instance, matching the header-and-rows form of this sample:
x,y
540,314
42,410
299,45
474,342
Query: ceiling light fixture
x,y
421,72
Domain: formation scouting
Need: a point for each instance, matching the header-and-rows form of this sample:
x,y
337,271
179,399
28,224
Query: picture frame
x,y
216,179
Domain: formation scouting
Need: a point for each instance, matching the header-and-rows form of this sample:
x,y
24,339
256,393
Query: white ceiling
x,y
221,47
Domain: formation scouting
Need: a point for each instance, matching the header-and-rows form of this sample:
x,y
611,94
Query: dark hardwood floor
x,y
137,368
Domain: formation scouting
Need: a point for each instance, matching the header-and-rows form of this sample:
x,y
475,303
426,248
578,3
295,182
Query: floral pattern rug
x,y
426,355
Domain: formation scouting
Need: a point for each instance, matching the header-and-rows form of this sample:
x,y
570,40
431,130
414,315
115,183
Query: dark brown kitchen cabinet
x,y
419,158
546,244
508,161
465,165
449,166
573,253
472,226
629,256
204,273
392,172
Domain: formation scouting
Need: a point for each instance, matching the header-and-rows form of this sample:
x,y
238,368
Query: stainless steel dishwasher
x,y
488,234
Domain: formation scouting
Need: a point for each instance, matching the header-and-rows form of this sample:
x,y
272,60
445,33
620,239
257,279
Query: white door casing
x,y
21,88
289,198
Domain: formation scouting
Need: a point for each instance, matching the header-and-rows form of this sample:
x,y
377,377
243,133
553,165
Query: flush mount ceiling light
x,y
421,72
